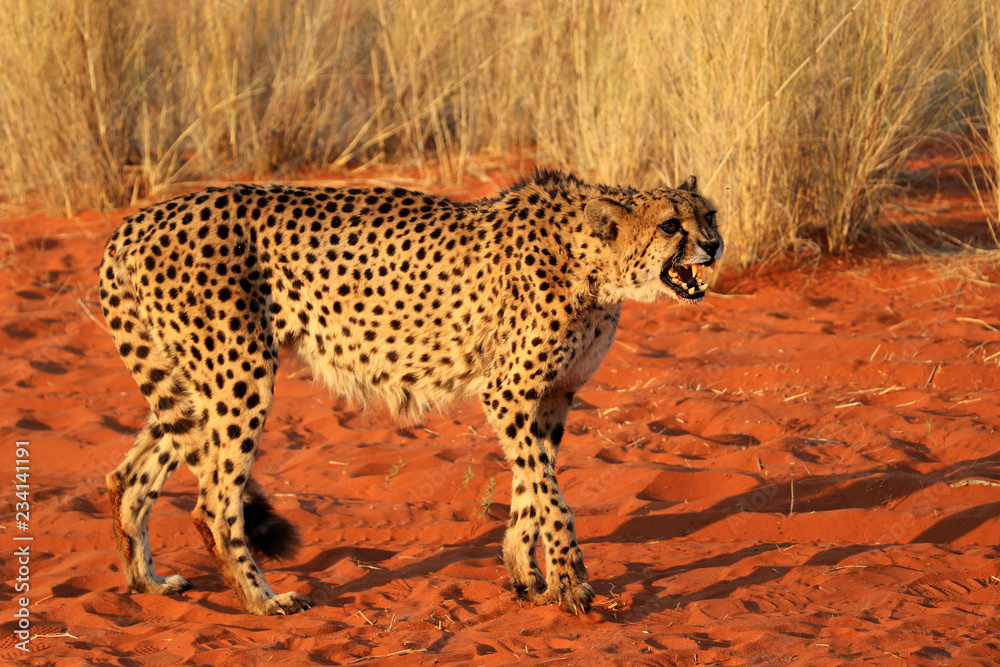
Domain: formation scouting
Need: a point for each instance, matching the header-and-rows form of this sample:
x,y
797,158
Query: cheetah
x,y
390,297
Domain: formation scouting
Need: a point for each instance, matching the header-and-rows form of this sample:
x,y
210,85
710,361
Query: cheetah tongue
x,y
682,274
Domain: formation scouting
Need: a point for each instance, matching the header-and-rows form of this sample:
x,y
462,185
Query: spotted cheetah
x,y
388,296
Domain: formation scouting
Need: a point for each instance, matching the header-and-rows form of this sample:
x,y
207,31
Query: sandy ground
x,y
803,468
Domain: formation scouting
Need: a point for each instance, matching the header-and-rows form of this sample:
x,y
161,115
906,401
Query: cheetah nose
x,y
713,249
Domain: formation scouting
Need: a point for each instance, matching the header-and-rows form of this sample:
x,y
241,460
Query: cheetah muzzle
x,y
388,296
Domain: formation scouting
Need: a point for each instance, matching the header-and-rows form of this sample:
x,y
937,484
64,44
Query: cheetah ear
x,y
604,215
691,184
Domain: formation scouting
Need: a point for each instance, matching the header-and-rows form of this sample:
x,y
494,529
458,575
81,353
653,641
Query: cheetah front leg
x,y
530,431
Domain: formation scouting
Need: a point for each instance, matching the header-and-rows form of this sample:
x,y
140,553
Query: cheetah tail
x,y
268,534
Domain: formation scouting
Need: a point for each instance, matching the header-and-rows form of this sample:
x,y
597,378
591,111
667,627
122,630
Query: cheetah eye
x,y
710,219
670,227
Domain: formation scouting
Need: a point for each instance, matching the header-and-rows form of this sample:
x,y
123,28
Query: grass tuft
x,y
485,500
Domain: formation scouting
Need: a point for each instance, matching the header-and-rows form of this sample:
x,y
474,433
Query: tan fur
x,y
392,297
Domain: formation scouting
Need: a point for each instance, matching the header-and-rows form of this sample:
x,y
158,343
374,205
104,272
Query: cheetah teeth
x,y
692,288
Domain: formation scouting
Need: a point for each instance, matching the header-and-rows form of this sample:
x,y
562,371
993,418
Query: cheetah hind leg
x,y
267,535
133,488
272,536
237,524
278,604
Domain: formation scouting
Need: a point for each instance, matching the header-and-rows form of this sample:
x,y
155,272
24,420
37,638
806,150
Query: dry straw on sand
x,y
104,102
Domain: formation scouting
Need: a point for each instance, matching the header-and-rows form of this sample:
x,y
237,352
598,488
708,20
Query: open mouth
x,y
684,280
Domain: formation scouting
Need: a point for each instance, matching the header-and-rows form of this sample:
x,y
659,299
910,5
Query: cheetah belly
x,y
368,343
408,388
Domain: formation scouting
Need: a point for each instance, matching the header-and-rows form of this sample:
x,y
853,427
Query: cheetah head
x,y
660,241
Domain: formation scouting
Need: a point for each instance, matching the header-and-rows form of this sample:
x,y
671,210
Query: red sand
x,y
805,467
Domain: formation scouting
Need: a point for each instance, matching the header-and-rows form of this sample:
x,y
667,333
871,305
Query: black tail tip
x,y
268,534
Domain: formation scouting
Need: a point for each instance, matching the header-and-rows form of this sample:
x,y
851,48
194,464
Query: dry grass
x,y
988,90
101,102
67,100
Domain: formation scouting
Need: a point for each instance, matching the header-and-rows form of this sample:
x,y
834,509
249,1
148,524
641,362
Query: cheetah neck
x,y
551,205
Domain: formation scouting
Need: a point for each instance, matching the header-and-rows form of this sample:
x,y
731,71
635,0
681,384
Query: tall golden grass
x,y
989,94
797,116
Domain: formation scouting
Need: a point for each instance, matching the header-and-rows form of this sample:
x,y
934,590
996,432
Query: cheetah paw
x,y
284,604
534,589
574,598
162,585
